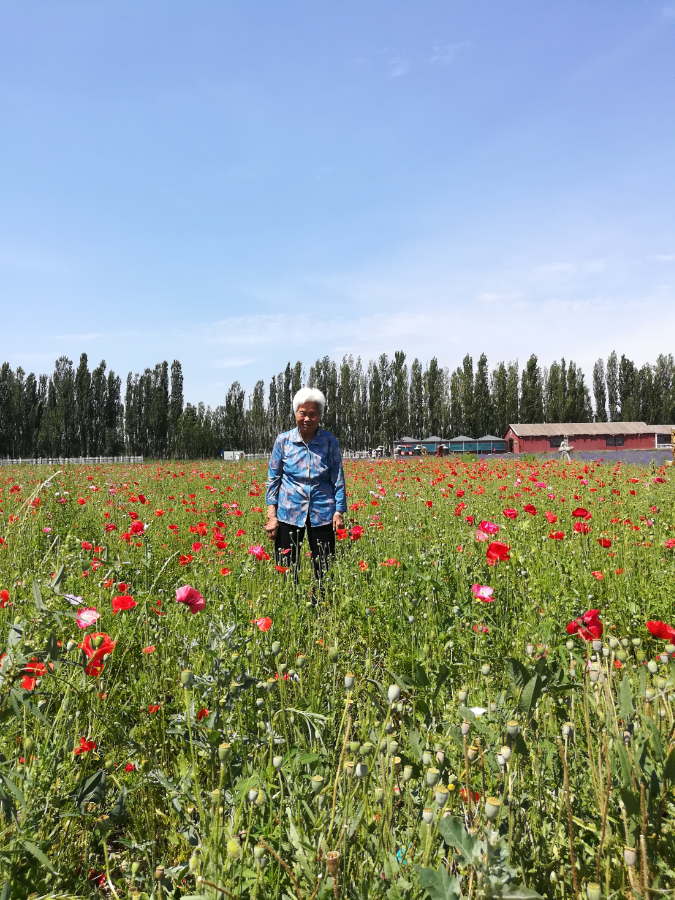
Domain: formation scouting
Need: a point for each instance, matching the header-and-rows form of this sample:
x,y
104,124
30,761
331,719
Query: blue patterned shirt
x,y
305,481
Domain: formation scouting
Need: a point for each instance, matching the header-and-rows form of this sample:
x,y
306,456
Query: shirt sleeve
x,y
338,477
275,473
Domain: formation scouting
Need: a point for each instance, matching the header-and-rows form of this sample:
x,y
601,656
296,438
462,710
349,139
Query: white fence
x,y
71,460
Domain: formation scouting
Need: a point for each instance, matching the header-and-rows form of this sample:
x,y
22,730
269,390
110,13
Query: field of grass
x,y
439,725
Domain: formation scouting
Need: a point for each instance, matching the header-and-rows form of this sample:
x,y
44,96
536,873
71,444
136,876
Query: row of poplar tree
x,y
83,412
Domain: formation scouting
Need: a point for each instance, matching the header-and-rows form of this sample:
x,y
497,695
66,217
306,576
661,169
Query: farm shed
x,y
545,437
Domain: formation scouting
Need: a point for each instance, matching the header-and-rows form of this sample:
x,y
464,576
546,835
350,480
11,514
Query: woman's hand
x,y
272,523
338,521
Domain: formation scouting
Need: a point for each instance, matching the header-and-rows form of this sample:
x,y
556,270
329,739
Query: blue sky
x,y
240,184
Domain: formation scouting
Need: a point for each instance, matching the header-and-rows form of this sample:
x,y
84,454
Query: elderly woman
x,y
305,487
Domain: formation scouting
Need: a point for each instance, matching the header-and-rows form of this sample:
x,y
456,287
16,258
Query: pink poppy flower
x,y
87,616
483,593
191,598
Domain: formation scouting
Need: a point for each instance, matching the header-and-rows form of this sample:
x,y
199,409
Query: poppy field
x,y
479,704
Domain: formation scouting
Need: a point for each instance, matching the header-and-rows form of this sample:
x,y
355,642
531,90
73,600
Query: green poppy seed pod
x,y
259,702
223,752
621,655
97,641
664,659
70,646
277,762
361,770
597,645
570,645
393,693
472,752
354,746
135,868
378,794
462,694
506,752
593,891
270,683
513,728
670,649
605,652
491,808
261,799
649,694
186,678
392,747
317,784
333,654
366,749
640,655
426,758
396,764
253,794
349,681
349,768
529,649
485,669
441,795
501,761
282,668
440,755
276,648
625,642
568,729
109,765
653,667
635,641
407,773
159,873
300,661
594,675
233,848
432,776
661,682
215,796
428,816
613,643
629,856
194,863
383,747
466,728
259,852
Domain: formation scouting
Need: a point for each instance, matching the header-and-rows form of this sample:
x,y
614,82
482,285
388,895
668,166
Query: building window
x,y
510,445
614,440
555,442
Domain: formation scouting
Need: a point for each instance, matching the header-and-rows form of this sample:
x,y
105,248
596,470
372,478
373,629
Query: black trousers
x,y
289,540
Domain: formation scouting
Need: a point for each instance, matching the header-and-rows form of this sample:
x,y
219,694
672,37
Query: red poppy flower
x,y
4,598
264,623
551,518
510,513
341,533
581,528
588,626
282,569
85,747
605,542
149,650
137,527
670,544
240,532
202,714
154,707
356,532
184,559
497,551
428,503
557,535
597,575
130,767
581,513
122,602
35,670
96,646
226,571
87,546
191,598
529,508
363,565
470,520
662,631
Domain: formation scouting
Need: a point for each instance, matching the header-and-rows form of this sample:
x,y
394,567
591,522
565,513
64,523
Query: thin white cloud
x,y
235,362
447,54
398,67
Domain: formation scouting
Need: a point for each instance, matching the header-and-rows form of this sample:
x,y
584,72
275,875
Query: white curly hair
x,y
309,395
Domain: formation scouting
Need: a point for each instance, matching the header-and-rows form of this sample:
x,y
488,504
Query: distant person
x,y
305,488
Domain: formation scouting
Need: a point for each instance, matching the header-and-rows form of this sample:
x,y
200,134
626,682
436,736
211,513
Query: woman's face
x,y
307,418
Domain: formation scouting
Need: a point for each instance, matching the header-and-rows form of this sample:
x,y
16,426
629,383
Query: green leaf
x,y
512,892
626,708
37,598
401,680
455,835
654,737
669,768
52,647
16,792
58,577
92,790
441,678
529,696
415,744
517,674
39,855
438,884
421,678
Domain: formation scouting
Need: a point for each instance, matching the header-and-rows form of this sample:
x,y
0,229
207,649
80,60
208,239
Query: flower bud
x,y
491,808
570,645
194,863
233,848
333,654
393,693
261,799
253,795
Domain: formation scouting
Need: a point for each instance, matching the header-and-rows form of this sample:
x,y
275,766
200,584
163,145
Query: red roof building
x,y
547,437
